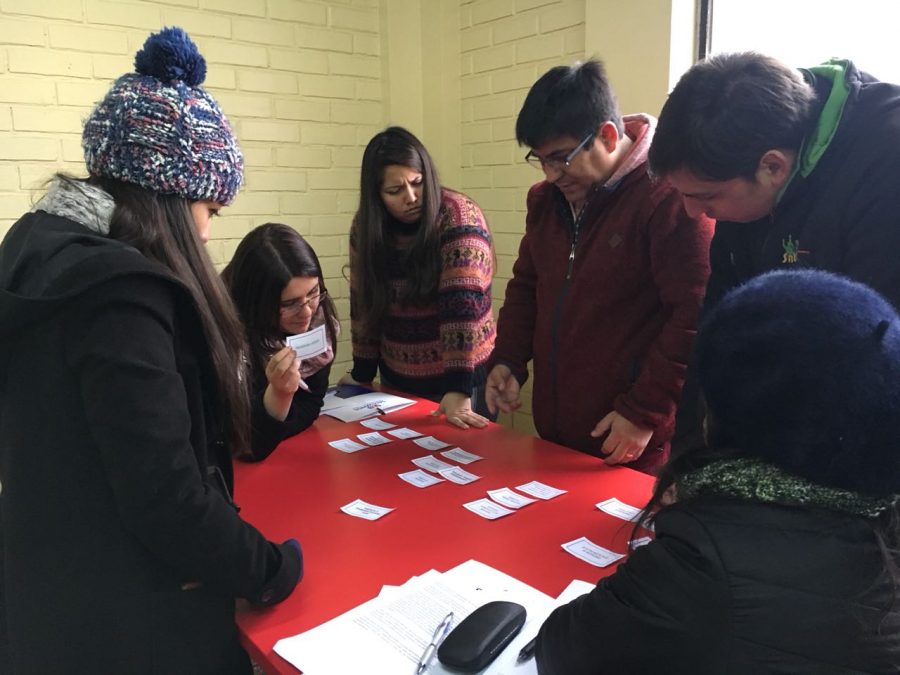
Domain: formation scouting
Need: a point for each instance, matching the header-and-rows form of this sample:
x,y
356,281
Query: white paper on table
x,y
620,509
485,508
388,635
403,432
461,456
362,509
346,445
419,478
508,498
373,438
431,463
362,406
459,476
430,443
540,490
377,424
584,549
640,541
309,344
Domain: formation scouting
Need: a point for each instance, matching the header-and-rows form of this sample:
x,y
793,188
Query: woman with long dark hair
x,y
776,546
123,397
421,265
278,288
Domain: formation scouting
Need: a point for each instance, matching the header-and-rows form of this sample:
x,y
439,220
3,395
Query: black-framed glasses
x,y
557,163
297,305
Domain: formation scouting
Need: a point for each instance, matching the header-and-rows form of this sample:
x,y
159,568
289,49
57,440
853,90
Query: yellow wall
x,y
306,83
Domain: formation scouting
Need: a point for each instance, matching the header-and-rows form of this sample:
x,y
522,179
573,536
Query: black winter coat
x,y
114,478
735,588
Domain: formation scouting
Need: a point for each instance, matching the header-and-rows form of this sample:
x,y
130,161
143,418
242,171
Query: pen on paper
x,y
527,651
439,634
380,411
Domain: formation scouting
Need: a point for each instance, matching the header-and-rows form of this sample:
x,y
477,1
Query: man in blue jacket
x,y
799,168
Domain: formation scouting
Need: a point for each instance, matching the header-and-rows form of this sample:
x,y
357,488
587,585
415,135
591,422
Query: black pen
x,y
527,651
380,411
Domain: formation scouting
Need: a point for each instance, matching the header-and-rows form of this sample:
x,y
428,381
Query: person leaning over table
x,y
278,288
798,166
607,286
123,398
776,546
421,266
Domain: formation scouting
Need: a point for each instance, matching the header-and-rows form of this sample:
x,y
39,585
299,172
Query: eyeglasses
x,y
556,163
295,306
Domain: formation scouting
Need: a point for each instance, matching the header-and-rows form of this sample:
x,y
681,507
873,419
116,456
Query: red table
x,y
299,489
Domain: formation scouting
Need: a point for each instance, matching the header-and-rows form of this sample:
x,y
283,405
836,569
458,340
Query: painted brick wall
x,y
505,46
299,79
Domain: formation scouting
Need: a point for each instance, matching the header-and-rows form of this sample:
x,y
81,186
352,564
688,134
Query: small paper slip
x,y
373,438
539,490
640,541
588,551
377,424
614,507
309,344
459,476
346,445
362,509
485,508
419,478
509,498
403,432
461,456
431,463
430,443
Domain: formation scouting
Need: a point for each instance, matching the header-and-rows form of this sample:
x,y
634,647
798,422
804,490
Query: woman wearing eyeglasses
x,y
421,265
277,285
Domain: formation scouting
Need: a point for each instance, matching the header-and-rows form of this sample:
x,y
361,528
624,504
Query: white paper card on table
x,y
640,541
419,478
485,508
461,456
510,499
430,443
431,463
361,406
377,424
459,476
620,509
362,509
540,490
403,432
584,549
346,445
373,438
389,634
309,344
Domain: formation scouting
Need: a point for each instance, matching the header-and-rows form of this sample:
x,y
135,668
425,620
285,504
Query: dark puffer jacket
x,y
736,588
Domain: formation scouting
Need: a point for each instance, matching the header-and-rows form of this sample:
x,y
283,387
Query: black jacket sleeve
x,y
648,614
268,432
136,404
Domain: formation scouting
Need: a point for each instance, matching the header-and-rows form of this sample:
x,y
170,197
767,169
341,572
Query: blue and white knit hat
x,y
158,128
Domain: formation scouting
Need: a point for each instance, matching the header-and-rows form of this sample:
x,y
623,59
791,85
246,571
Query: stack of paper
x,y
389,633
361,406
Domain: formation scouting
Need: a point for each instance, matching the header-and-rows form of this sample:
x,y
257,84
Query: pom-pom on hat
x,y
802,370
158,128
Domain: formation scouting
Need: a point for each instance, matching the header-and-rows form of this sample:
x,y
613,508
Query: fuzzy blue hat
x,y
802,370
158,128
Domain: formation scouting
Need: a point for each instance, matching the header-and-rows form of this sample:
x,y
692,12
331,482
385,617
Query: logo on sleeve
x,y
792,251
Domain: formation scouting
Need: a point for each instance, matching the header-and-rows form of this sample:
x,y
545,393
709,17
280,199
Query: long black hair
x,y
264,263
162,228
369,237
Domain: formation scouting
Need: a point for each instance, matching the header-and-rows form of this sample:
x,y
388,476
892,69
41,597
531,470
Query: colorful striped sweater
x,y
443,346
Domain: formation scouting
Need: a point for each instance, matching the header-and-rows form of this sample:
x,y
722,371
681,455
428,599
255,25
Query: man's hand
x,y
458,409
502,390
626,441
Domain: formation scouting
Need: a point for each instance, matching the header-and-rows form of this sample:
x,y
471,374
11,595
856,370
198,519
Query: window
x,y
806,32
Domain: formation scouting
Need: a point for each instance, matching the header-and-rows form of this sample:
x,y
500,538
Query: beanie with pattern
x,y
159,129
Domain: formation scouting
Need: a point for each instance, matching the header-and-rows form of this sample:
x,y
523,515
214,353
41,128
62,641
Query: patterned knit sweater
x,y
442,346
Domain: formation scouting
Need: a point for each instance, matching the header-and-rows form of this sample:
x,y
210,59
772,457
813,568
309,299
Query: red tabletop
x,y
299,489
